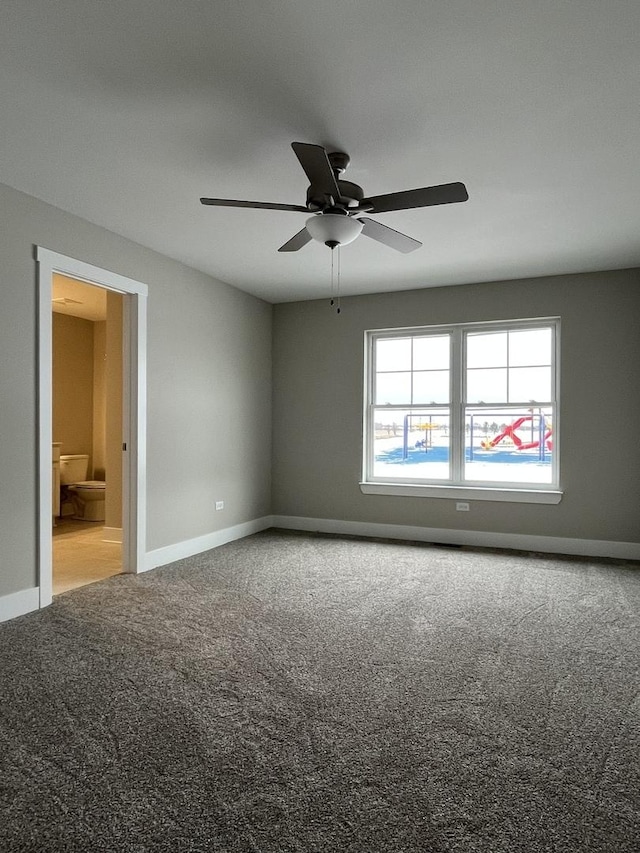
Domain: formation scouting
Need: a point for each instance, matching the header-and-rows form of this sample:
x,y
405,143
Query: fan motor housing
x,y
338,160
350,196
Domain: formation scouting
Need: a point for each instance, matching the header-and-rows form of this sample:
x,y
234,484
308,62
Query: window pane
x,y
487,350
393,354
411,445
431,353
529,384
509,445
431,386
487,386
529,347
393,388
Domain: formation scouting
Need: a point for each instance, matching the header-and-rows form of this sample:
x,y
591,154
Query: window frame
x,y
455,487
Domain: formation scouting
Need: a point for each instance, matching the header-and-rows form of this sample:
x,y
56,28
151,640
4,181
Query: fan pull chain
x,y
335,278
333,283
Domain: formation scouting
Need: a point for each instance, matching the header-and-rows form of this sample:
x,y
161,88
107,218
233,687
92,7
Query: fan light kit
x,y
338,205
334,229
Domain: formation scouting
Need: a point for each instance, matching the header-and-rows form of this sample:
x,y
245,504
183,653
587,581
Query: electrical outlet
x,y
219,505
462,506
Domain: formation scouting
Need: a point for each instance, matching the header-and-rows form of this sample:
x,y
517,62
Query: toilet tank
x,y
73,468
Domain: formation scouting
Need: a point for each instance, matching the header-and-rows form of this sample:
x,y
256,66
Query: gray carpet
x,y
299,693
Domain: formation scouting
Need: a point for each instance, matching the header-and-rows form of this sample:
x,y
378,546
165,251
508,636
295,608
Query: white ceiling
x,y
126,112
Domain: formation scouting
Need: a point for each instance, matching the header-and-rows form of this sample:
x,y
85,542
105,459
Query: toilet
x,y
88,496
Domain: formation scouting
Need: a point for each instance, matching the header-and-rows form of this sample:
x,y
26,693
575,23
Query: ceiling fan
x,y
337,206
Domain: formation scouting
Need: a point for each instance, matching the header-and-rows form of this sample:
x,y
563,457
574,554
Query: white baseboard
x,y
19,603
27,600
518,541
171,553
112,534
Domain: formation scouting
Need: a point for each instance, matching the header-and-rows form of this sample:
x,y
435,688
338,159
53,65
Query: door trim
x,y
134,407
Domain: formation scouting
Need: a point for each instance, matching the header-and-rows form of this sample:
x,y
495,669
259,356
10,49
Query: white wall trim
x,y
25,601
19,603
112,534
134,408
28,600
171,553
518,541
467,493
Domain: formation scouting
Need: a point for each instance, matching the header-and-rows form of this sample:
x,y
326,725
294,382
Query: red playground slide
x,y
519,444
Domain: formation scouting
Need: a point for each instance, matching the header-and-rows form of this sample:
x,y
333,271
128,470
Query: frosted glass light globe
x,y
333,229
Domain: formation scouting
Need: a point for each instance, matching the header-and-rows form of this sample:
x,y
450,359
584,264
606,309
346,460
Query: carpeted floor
x,y
302,693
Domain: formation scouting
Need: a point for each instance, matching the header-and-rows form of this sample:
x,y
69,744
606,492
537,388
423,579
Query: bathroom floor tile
x,y
80,556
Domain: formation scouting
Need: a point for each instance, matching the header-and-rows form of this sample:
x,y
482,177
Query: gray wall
x,y
318,398
209,386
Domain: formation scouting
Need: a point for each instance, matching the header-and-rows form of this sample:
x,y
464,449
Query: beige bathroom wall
x,y
113,388
73,383
99,399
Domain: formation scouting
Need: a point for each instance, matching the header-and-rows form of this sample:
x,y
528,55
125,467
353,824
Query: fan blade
x,y
314,161
296,242
425,197
262,205
383,234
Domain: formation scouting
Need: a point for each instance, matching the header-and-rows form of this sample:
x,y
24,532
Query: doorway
x,y
87,432
127,458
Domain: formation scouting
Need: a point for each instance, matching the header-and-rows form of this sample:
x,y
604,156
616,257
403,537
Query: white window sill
x,y
468,493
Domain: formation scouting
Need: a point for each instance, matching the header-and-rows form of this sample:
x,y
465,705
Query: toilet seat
x,y
89,500
98,485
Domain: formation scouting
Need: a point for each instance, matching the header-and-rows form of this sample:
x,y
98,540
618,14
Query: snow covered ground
x,y
502,464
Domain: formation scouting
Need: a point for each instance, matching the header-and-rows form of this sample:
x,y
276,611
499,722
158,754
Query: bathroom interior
x,y
87,433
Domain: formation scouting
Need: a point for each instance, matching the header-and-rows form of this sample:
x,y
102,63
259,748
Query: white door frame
x,y
134,410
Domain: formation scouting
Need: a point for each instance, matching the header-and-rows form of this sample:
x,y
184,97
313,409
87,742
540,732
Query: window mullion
x,y
411,370
508,377
456,406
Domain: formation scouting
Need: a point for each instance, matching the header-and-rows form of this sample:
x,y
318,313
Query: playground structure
x,y
538,426
540,433
426,426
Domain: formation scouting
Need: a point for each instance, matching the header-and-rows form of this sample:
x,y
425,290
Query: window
x,y
465,410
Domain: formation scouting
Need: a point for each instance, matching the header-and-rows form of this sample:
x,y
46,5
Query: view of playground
x,y
413,433
503,445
